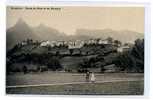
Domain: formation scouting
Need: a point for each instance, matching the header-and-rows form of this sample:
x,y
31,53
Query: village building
x,y
75,44
45,43
23,43
92,41
123,48
59,43
103,41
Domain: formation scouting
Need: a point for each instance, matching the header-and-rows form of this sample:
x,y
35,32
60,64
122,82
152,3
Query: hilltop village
x,y
98,55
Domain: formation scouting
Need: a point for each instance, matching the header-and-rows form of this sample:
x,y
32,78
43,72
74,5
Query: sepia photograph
x,y
75,50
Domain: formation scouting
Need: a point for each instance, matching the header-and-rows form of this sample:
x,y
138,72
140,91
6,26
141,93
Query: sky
x,y
68,19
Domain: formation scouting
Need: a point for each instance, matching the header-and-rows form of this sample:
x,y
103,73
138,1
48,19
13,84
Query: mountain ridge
x,y
21,31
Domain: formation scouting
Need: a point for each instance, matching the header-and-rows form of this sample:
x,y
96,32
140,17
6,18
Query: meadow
x,y
55,83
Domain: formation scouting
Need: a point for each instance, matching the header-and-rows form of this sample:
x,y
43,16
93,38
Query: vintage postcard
x,y
75,50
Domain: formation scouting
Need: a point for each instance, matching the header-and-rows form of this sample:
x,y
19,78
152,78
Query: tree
x,y
71,51
88,63
117,43
57,53
138,49
125,62
8,66
132,60
138,54
102,69
110,39
83,66
54,64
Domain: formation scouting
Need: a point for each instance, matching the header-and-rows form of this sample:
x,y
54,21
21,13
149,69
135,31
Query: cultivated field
x,y
74,83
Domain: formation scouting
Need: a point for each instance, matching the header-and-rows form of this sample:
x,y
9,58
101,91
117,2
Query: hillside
x,y
19,32
131,36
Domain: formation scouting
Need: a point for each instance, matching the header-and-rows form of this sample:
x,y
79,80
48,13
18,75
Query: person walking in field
x,y
93,78
25,70
87,76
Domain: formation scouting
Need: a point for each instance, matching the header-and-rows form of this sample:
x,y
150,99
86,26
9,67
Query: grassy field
x,y
108,88
107,83
62,77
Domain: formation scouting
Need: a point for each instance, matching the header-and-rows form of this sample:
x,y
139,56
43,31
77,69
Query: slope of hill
x,y
19,32
123,35
48,33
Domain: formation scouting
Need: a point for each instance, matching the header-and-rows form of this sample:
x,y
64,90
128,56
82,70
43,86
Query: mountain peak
x,y
20,22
